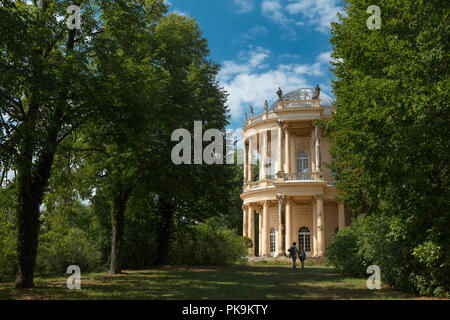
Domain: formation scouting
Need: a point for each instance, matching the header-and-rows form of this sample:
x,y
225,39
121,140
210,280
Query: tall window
x,y
302,162
272,242
304,238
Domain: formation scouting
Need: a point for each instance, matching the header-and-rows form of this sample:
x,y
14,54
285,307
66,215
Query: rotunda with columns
x,y
286,185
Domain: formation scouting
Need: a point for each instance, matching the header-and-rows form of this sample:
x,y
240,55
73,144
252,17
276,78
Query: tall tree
x,y
187,192
390,138
167,84
48,86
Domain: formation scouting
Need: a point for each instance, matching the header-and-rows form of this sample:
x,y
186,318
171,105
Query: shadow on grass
x,y
232,282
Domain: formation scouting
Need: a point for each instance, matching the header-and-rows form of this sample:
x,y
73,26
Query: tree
x,y
390,132
185,192
48,86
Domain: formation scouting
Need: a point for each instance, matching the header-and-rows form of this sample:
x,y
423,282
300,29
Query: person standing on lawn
x,y
293,251
302,256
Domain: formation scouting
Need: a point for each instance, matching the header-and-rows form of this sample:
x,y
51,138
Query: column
x,y
251,227
312,149
281,230
318,158
250,159
341,216
260,233
287,156
245,222
320,227
263,156
266,236
245,163
280,147
288,224
315,244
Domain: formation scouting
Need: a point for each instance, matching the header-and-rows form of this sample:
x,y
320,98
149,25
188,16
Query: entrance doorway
x,y
304,240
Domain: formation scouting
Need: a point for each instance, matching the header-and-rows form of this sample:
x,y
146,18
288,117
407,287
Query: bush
x,y
342,252
209,243
8,250
376,240
60,249
8,235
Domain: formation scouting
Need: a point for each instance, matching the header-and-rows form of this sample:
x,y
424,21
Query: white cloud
x,y
249,80
243,6
273,10
324,57
259,30
252,34
319,13
293,13
251,60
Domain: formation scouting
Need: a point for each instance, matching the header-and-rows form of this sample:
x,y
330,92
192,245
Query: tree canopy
x,y
390,132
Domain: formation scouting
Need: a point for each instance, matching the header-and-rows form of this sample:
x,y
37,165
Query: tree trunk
x,y
28,228
166,211
118,210
32,180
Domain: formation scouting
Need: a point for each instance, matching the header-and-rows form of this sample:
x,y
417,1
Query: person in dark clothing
x,y
293,251
302,256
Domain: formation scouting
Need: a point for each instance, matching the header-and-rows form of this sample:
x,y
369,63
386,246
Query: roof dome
x,y
305,94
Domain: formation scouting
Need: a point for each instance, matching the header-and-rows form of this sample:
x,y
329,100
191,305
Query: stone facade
x,y
293,192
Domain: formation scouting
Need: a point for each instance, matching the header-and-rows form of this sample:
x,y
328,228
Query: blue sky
x,y
265,44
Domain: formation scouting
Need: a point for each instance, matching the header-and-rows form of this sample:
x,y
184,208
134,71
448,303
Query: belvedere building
x,y
287,187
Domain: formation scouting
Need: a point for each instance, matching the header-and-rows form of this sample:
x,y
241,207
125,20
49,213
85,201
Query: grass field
x,y
256,281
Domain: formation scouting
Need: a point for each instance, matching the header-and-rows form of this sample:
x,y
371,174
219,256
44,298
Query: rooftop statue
x,y
246,117
317,92
266,106
251,112
279,93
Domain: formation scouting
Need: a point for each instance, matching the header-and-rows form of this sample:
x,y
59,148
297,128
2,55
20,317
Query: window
x,y
272,242
302,162
304,239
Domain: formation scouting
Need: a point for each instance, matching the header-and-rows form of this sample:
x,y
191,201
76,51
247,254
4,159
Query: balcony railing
x,y
259,184
301,176
281,177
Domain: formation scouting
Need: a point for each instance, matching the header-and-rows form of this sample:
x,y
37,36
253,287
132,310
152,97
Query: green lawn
x,y
225,282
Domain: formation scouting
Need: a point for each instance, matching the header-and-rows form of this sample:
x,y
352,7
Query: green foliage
x,y
370,240
342,253
209,243
87,123
61,248
389,136
139,241
70,234
8,234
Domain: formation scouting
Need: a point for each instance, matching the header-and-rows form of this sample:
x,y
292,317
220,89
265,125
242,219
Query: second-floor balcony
x,y
301,176
281,177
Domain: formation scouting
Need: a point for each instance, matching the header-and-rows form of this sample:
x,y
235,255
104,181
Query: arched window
x,y
302,162
272,242
304,239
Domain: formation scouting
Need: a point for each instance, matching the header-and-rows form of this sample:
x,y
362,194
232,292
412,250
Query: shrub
x,y
8,234
404,265
209,243
342,252
8,250
60,249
